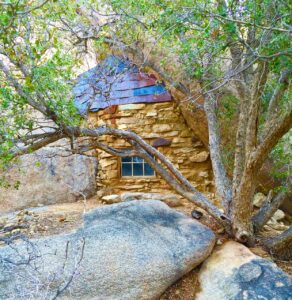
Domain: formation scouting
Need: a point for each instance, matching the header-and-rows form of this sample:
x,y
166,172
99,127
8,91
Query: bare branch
x,y
254,108
270,140
283,84
20,150
223,183
65,286
248,23
280,246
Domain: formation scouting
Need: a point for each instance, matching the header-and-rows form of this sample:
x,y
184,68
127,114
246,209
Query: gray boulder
x,y
233,272
132,250
48,177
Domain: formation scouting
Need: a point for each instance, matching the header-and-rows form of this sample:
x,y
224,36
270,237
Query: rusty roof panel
x,y
126,85
116,81
97,105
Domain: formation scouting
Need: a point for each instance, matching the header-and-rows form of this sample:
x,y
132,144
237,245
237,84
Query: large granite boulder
x,y
132,250
48,177
233,272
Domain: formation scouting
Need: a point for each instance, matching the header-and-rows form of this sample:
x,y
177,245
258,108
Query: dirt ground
x,y
63,218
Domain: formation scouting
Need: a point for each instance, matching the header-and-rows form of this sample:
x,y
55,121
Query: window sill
x,y
140,178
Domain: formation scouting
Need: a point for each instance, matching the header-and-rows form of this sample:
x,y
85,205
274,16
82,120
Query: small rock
x,y
196,214
258,199
199,157
27,218
3,222
279,215
15,231
104,192
110,199
220,230
279,227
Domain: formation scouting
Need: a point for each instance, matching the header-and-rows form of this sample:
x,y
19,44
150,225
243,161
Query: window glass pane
x,y
148,171
133,166
137,159
126,159
138,169
126,169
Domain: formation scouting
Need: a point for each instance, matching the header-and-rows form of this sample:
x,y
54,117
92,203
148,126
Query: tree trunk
x,y
281,245
241,208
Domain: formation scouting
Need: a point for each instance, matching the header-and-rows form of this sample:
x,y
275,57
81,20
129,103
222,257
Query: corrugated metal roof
x,y
116,81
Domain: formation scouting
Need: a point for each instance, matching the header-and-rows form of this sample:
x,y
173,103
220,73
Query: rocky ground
x,y
46,220
60,218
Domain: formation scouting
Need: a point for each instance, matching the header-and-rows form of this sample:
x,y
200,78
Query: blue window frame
x,y
135,167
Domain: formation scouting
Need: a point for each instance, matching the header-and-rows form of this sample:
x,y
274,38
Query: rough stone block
x,y
151,114
131,106
162,127
199,157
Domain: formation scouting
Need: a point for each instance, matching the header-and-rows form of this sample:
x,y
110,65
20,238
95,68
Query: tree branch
x,y
20,150
254,109
223,183
271,139
283,83
280,246
11,79
161,165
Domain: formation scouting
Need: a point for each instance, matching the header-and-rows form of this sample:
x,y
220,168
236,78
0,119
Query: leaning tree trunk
x,y
281,245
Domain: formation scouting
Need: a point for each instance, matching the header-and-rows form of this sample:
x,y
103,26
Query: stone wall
x,y
152,121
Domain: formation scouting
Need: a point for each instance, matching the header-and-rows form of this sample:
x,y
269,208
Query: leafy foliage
x,y
37,53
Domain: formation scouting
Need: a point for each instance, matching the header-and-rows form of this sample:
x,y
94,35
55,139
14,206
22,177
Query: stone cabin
x,y
117,93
